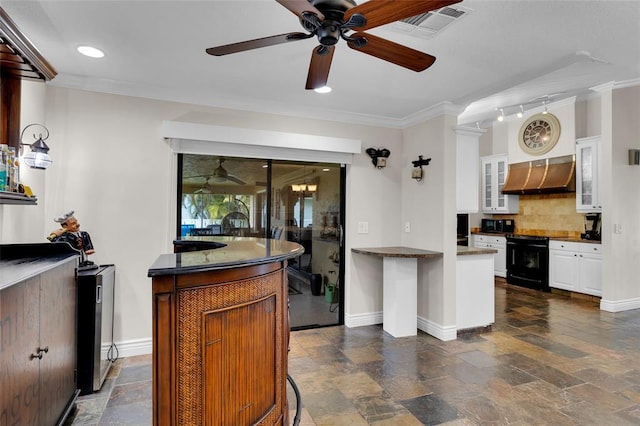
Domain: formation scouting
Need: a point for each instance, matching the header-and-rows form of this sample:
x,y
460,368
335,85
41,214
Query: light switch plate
x,y
363,227
407,227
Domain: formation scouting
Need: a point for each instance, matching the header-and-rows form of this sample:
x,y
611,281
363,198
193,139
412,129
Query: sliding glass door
x,y
295,201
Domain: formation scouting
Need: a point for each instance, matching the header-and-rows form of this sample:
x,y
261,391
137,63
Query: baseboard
x,y
438,331
619,305
429,327
360,320
134,347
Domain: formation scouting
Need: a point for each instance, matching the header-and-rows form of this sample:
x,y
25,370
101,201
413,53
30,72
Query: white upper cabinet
x,y
588,173
494,174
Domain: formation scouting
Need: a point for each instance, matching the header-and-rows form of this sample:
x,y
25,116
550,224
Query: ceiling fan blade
x,y
392,52
256,43
236,180
319,67
381,12
298,7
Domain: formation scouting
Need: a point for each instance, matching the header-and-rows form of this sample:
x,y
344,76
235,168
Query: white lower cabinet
x,y
575,267
497,243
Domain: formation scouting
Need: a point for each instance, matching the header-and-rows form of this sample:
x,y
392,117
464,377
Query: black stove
x,y
534,238
528,261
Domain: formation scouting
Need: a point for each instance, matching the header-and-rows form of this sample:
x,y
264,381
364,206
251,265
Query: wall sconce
x,y
417,172
38,158
378,157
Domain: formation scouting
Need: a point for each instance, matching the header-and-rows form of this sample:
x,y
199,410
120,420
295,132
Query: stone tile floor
x,y
549,360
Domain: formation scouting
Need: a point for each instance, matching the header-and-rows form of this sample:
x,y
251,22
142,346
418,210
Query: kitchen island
x,y
475,289
221,331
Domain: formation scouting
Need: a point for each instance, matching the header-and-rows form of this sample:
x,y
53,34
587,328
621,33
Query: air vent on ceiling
x,y
431,23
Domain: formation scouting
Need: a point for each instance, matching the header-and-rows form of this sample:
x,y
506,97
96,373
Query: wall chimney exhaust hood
x,y
551,175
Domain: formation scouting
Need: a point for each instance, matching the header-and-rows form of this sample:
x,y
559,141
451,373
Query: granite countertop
x,y
465,251
237,252
19,262
406,252
574,240
554,238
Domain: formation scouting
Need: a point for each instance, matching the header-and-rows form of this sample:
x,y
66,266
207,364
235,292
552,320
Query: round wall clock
x,y
539,133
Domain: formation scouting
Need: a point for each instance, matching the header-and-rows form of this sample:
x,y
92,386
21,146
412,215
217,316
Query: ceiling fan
x,y
331,20
220,175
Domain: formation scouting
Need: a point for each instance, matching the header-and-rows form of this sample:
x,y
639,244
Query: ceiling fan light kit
x,y
332,20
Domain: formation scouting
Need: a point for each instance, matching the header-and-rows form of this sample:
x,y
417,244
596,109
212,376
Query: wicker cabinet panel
x,y
230,344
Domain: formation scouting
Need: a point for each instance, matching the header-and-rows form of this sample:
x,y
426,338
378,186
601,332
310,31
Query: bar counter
x,y
218,253
220,322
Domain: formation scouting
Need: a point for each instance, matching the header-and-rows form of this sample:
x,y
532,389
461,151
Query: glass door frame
x,y
269,206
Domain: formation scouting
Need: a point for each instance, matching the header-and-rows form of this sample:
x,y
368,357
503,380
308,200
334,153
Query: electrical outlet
x,y
407,227
363,227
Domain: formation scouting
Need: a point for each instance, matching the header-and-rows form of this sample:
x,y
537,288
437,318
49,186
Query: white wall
x,y
112,166
24,224
430,208
621,198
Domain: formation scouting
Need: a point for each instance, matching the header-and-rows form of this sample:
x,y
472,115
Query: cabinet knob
x,y
575,255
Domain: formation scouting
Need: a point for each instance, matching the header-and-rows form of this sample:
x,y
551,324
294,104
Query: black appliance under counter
x,y
528,261
96,289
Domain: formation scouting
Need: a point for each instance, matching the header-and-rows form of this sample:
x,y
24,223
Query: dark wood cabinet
x,y
220,343
37,340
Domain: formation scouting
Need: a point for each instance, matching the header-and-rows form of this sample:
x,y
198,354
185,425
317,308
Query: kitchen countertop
x,y
568,239
21,261
236,252
465,251
406,252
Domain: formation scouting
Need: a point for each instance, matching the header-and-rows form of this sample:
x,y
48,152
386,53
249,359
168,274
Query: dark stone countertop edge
x,y
19,262
171,263
404,252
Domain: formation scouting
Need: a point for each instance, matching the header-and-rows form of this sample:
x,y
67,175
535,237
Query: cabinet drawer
x,y
564,245
590,248
490,239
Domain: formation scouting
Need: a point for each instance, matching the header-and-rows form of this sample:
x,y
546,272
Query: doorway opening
x,y
296,201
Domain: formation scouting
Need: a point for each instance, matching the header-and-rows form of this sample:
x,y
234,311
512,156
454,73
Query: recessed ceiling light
x,y
323,89
91,52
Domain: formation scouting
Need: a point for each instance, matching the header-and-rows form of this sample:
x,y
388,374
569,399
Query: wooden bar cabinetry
x,y
220,341
37,336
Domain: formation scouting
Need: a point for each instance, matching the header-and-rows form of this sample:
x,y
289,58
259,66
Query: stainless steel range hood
x,y
551,175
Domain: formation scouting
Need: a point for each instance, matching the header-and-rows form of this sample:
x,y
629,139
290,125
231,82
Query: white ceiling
x,y
503,52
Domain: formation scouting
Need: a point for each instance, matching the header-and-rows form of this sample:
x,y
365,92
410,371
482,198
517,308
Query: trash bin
x,y
331,293
316,284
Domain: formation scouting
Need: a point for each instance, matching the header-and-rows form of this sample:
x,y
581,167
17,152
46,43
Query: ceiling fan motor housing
x,y
329,30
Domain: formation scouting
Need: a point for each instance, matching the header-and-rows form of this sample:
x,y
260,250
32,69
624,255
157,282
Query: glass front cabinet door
x,y
494,174
588,172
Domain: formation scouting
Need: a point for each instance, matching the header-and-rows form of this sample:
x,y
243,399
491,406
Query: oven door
x,y
528,265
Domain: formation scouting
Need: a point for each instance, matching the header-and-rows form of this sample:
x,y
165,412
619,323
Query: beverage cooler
x,y
95,326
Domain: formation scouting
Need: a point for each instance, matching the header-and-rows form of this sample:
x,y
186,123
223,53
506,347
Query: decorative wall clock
x,y
539,134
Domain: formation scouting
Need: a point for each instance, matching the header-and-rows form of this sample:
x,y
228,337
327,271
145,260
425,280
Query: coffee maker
x,y
591,227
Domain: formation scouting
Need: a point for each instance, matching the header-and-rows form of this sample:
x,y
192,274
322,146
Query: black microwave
x,y
498,225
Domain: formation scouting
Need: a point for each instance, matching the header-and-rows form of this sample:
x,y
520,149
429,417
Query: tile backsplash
x,y
553,215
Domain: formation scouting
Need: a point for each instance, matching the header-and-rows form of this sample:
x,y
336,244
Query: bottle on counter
x,y
10,170
16,175
4,151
